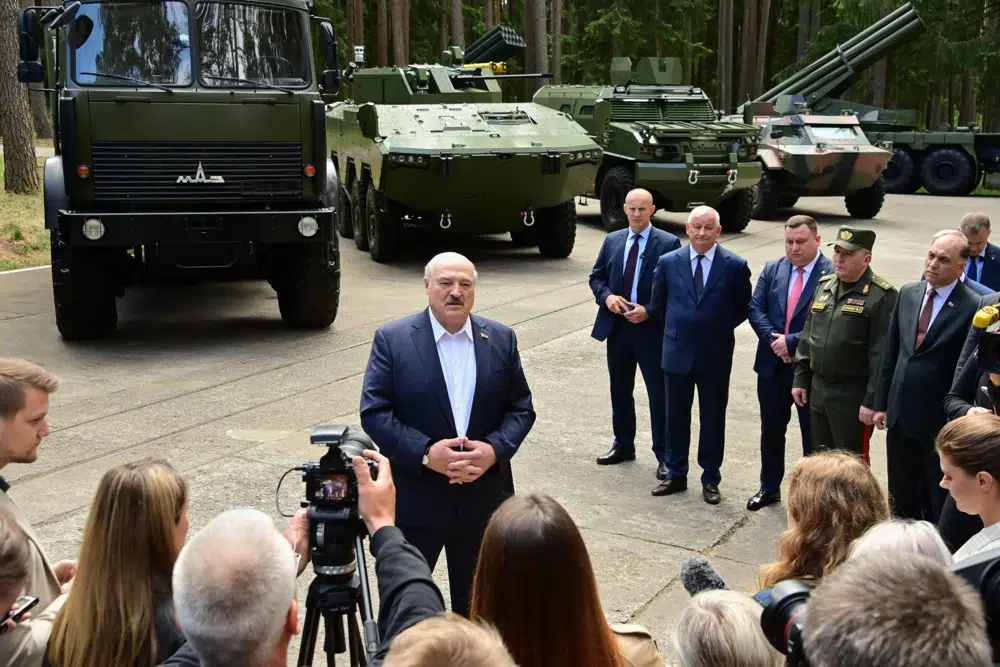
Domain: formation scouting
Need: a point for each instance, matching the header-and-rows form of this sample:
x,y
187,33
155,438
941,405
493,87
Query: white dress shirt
x,y
986,539
457,353
706,261
940,298
806,272
643,239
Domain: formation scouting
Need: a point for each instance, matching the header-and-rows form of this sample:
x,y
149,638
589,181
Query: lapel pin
x,y
483,334
951,304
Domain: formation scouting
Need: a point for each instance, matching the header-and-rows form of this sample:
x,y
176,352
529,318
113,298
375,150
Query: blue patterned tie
x,y
699,279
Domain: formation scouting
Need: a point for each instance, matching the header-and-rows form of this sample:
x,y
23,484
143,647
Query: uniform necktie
x,y
925,317
630,263
793,298
699,278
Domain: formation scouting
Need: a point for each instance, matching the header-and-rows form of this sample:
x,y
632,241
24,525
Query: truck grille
x,y
185,172
700,110
624,111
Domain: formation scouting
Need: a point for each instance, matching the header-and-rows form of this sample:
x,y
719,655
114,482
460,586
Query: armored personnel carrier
x,y
817,156
663,137
434,146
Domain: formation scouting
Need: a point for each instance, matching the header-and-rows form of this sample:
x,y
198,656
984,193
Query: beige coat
x,y
637,646
25,645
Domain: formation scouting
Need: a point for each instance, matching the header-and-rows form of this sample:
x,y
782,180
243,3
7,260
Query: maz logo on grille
x,y
199,177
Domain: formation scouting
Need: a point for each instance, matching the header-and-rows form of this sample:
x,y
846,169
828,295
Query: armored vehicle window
x,y
566,108
251,42
127,44
587,110
791,133
834,133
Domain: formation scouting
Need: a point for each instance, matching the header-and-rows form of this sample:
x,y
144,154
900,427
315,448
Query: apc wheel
x,y
83,293
767,196
868,202
947,172
900,174
346,226
308,286
383,227
616,184
556,227
787,202
734,212
358,209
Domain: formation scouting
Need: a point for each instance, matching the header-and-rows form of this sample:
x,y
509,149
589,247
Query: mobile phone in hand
x,y
21,607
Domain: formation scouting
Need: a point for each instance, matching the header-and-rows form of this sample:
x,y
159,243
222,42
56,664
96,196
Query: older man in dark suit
x,y
983,263
622,283
446,400
927,331
702,293
778,312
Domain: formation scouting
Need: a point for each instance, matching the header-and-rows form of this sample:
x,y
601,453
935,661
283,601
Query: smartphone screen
x,y
21,607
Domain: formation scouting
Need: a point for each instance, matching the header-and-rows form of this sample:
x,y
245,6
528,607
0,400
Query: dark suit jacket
x,y
700,331
769,306
972,339
964,393
405,408
990,275
913,383
609,271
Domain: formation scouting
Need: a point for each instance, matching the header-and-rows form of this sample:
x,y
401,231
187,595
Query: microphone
x,y
698,575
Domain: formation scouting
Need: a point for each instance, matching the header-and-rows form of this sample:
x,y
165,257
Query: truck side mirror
x,y
27,32
330,81
54,19
368,120
330,50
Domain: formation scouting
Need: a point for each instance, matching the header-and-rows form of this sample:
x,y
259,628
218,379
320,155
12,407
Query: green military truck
x,y
190,145
663,137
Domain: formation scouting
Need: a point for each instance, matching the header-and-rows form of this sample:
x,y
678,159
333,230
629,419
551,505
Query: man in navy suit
x,y
983,265
622,283
445,399
778,312
702,293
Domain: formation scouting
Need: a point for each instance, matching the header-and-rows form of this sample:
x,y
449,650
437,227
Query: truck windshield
x,y
834,133
240,44
128,44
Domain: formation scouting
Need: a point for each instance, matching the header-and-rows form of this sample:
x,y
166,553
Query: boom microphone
x,y
698,575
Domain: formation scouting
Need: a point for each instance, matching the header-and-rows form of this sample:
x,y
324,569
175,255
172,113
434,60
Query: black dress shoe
x,y
615,456
762,499
661,471
710,492
668,486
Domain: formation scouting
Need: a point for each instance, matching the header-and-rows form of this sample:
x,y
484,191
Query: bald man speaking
x,y
622,282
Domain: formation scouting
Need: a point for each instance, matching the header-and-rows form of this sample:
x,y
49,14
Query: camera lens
x,y
788,601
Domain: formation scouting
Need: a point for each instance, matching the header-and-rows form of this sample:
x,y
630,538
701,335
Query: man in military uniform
x,y
838,358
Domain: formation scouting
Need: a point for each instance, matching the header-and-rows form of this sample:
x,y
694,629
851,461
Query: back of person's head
x,y
895,610
15,560
902,536
723,628
535,583
833,498
134,531
234,590
448,640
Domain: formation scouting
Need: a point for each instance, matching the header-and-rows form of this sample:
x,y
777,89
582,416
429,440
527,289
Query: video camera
x,y
988,319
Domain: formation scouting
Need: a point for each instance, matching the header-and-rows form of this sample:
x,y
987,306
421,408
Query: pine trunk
x,y
489,20
556,31
398,38
457,25
748,49
968,113
351,40
765,26
359,23
725,64
383,33
800,50
406,29
879,74
20,174
537,43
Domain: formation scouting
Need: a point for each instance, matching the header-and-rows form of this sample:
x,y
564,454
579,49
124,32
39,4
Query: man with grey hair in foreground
x,y
895,610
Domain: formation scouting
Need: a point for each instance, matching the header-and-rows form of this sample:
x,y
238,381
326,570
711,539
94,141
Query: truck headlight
x,y
743,153
93,229
308,226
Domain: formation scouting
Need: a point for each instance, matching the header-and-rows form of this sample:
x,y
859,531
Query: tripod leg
x,y
309,630
358,656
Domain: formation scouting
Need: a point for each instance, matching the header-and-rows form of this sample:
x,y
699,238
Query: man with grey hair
x,y
895,610
983,263
722,627
446,399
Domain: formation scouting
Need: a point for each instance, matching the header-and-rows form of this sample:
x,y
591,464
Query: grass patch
x,y
24,241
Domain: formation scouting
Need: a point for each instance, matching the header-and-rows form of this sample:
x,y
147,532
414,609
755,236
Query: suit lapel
x,y
909,314
481,342
651,253
618,263
682,263
944,317
781,284
423,340
718,268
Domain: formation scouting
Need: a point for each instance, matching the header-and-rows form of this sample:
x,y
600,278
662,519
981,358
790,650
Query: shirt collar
x,y
440,331
943,291
644,234
710,255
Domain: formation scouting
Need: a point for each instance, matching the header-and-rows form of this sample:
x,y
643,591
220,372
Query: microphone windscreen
x,y
698,575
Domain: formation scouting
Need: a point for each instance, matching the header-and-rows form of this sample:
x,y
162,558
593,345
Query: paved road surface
x,y
208,378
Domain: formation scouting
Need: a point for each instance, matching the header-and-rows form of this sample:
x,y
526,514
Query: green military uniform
x,y
839,354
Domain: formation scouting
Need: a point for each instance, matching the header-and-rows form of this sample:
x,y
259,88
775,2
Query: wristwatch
x,y
425,460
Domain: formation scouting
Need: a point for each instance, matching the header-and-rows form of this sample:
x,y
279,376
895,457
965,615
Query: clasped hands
x,y
780,347
619,304
461,465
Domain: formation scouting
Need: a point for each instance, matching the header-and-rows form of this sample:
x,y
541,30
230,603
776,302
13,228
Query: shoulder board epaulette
x,y
881,282
829,276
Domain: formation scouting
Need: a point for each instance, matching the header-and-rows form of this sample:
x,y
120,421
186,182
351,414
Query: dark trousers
x,y
834,409
713,397
461,546
914,476
955,526
774,393
631,345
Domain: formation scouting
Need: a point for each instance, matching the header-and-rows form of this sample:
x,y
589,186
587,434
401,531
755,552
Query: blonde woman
x,y
119,612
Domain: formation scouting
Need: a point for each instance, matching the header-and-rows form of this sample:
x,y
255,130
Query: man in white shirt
x,y
926,334
446,400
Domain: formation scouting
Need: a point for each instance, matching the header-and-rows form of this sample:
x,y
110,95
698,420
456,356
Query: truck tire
x,y
615,185
556,230
83,293
346,226
787,201
734,212
947,172
868,202
308,286
900,174
358,209
383,227
765,196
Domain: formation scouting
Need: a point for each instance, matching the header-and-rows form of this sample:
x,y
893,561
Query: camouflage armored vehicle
x,y
816,156
663,137
434,146
179,155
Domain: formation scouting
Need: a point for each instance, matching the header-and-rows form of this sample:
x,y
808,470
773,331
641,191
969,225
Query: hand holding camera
x,y
376,497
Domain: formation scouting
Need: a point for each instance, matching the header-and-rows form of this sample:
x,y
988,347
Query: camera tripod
x,y
335,598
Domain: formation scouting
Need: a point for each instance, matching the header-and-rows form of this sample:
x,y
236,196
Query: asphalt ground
x,y
208,378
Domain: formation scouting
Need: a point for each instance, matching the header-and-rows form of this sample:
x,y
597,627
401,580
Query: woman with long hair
x,y
535,583
119,612
833,498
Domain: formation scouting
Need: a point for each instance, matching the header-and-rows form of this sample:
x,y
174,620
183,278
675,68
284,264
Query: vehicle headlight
x,y
658,152
743,152
308,226
93,229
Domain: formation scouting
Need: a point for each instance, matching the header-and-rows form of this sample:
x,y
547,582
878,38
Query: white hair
x,y
902,535
723,628
704,212
234,583
444,259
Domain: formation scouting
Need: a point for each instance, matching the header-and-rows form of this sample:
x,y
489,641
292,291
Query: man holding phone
x,y
622,283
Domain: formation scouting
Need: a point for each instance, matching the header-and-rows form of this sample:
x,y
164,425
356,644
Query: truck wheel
x,y
616,184
346,226
767,196
787,202
947,172
83,293
900,174
358,216
308,286
734,212
383,227
866,203
556,229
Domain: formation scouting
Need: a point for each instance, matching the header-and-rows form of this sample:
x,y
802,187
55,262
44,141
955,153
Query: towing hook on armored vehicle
x,y
445,221
732,175
529,217
693,176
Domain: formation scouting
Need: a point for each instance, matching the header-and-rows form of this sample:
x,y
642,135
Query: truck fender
x,y
331,195
770,160
54,187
